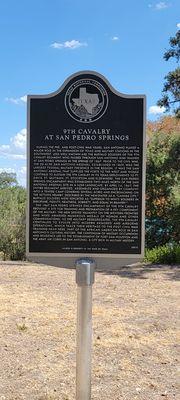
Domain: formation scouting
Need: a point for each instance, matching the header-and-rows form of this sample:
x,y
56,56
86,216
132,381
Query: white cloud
x,y
57,45
73,44
8,170
156,110
12,100
16,149
159,6
24,98
21,175
22,170
18,100
115,38
178,25
19,140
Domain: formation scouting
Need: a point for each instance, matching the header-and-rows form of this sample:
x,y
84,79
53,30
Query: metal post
x,y
84,279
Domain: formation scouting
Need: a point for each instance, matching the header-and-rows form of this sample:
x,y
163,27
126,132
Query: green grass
x,y
167,254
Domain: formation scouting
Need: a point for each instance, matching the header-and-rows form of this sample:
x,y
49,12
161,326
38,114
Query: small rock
x,y
164,394
152,385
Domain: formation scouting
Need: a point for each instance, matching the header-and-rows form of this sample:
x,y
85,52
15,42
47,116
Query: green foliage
x,y
167,254
171,90
174,50
7,180
12,220
162,194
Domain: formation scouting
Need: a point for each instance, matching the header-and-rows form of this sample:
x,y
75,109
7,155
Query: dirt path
x,y
135,318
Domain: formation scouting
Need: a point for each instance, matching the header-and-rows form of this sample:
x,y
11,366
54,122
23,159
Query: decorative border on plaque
x,y
86,100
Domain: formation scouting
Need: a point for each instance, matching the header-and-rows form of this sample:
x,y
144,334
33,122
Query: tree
x,y
12,217
171,90
166,124
162,195
7,180
174,50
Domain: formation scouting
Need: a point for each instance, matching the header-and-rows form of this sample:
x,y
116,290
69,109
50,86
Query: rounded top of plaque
x,y
81,84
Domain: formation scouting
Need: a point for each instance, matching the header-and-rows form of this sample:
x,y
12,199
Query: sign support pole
x,y
84,279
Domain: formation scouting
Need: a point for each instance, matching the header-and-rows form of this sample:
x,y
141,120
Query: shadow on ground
x,y
172,272
134,271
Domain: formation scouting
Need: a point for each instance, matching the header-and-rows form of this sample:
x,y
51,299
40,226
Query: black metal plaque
x,y
86,146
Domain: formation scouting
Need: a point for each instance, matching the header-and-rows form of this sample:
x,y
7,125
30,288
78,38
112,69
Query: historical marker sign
x,y
86,146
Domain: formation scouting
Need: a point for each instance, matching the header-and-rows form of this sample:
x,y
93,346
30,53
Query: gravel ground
x,y
135,340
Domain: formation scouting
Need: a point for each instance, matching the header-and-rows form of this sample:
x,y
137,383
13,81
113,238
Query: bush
x,y
12,222
158,231
162,189
167,254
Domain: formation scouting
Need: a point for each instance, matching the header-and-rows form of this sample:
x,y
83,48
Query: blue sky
x,y
44,41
